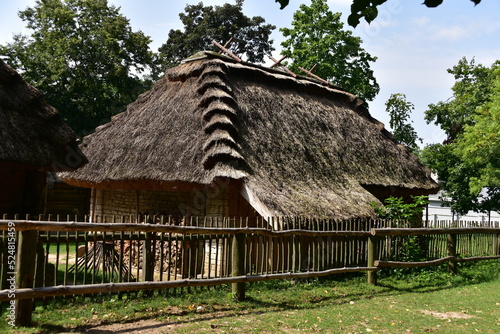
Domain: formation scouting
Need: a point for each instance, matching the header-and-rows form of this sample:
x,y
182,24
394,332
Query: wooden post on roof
x,y
278,63
25,271
312,68
226,45
232,55
308,72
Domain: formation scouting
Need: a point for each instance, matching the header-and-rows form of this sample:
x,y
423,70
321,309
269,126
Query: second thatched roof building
x,y
34,140
218,137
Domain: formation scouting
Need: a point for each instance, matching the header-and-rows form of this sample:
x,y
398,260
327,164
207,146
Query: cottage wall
x,y
120,202
11,189
21,190
64,199
223,199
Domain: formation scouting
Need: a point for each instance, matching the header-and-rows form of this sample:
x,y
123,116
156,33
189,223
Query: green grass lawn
x,y
427,302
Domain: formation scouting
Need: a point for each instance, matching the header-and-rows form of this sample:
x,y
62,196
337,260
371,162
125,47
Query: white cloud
x,y
463,28
492,27
454,33
339,3
216,2
420,21
487,56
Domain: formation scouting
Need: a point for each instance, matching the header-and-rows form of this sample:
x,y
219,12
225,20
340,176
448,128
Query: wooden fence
x,y
433,246
48,258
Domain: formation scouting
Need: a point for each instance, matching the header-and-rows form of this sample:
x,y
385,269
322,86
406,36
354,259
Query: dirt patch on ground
x,y
62,259
170,324
149,326
448,315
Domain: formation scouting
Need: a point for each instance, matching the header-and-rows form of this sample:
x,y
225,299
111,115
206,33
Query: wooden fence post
x,y
238,265
148,259
497,244
25,271
452,251
372,256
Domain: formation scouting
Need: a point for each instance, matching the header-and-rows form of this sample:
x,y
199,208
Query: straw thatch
x,y
300,147
32,132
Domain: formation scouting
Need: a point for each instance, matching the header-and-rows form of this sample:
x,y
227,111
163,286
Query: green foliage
x,y
283,3
413,250
472,88
409,248
479,146
84,56
399,110
317,37
439,158
466,163
454,176
202,24
397,209
366,9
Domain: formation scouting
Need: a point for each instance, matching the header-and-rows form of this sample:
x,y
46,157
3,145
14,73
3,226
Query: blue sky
x,y
414,44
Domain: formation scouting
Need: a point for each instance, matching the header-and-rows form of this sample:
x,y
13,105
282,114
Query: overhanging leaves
x,y
368,9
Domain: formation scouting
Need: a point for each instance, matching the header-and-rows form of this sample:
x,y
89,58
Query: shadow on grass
x,y
261,298
252,305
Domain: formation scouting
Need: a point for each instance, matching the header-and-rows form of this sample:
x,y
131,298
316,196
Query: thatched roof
x,y
300,147
32,132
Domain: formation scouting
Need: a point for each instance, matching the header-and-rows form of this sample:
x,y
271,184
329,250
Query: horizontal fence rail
x,y
62,290
427,231
25,225
482,242
54,258
447,259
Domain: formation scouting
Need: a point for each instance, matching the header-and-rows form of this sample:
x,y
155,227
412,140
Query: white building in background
x,y
436,212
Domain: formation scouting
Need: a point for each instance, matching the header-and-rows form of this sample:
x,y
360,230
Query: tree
x,y
399,110
479,146
461,162
318,38
84,56
367,9
250,36
472,88
399,210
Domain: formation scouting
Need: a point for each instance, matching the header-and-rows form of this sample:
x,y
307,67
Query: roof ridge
x,y
212,55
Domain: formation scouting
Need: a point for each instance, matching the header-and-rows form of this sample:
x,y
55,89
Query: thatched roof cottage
x,y
33,141
218,137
